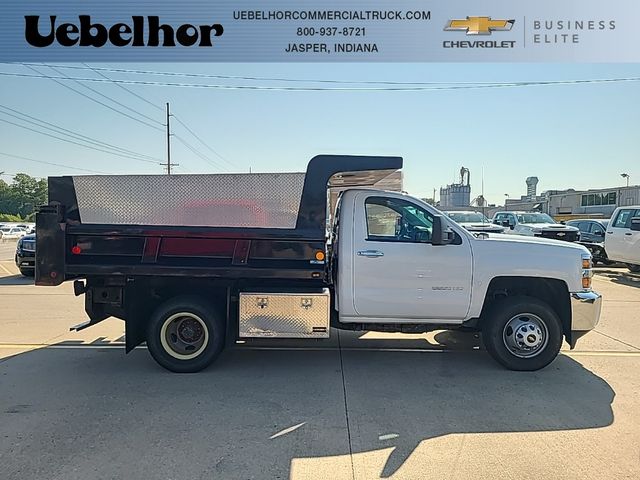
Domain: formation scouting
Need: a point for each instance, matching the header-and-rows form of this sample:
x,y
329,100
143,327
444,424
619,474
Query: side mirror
x,y
635,224
442,234
563,222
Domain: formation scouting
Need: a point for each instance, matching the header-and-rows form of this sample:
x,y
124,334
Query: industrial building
x,y
564,204
457,194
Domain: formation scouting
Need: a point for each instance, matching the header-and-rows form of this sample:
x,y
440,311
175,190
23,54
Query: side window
x,y
396,220
512,219
624,217
597,229
382,221
583,226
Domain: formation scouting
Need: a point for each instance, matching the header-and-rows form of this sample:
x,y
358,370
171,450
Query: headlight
x,y
587,272
536,230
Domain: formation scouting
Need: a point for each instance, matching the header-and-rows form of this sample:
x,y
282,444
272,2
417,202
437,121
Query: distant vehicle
x,y
623,237
592,233
28,227
474,222
9,233
535,224
26,255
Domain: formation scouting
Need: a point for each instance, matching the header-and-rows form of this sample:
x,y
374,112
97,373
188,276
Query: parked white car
x,y
12,233
622,241
474,222
535,224
28,227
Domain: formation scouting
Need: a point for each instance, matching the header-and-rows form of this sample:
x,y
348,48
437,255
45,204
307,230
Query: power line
x,y
76,143
97,70
60,130
337,89
255,78
41,75
51,163
109,98
202,141
195,151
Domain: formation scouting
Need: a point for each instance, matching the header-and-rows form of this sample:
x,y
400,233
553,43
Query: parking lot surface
x,y
356,406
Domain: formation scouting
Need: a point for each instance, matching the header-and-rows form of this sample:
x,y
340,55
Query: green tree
x,y
22,196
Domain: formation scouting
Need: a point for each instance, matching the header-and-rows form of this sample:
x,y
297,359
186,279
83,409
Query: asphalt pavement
x,y
356,406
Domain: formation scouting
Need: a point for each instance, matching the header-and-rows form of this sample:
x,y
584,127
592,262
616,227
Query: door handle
x,y
370,253
629,234
610,233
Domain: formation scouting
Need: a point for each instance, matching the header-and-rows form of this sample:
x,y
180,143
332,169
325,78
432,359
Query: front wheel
x,y
185,334
522,333
633,268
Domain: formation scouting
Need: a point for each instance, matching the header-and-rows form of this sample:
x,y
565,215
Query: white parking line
x,y
591,353
6,270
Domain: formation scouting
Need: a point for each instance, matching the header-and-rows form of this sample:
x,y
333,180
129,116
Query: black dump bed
x,y
231,226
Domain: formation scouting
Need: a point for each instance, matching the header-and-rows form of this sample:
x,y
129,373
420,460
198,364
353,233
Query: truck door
x,y
619,240
398,273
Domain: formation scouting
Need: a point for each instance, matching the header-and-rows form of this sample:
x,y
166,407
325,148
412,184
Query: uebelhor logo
x,y
120,34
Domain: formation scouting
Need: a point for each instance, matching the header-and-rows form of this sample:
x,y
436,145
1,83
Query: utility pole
x,y
169,164
626,176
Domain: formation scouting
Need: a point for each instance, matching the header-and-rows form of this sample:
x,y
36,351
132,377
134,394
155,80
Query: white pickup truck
x,y
622,241
194,262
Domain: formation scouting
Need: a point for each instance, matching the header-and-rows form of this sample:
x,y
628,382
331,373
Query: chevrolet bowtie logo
x,y
479,25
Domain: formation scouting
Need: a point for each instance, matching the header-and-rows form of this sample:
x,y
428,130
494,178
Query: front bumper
x,y
585,314
26,260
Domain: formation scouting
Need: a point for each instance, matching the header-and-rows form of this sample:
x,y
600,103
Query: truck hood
x,y
517,239
479,226
550,226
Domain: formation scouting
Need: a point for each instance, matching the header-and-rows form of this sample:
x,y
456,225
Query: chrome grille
x,y
560,235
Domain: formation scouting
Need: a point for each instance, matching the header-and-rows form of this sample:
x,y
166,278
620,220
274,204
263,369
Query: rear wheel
x,y
185,334
633,268
522,333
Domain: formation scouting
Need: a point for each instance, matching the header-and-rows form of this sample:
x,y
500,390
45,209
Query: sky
x,y
569,136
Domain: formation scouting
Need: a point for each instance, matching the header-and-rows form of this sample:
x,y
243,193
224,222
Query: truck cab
x,y
622,240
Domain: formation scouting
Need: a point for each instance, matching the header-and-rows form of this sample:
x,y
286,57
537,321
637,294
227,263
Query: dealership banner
x,y
320,31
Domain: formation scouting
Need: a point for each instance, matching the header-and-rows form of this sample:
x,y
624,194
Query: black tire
x,y
27,272
633,268
167,348
528,311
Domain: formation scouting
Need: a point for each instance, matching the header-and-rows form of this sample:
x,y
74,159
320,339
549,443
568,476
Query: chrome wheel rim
x,y
184,335
525,335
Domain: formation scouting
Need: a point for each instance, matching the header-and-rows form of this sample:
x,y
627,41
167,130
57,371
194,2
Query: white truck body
x,y
533,224
383,281
622,241
192,263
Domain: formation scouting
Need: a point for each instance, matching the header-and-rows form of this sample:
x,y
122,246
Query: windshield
x,y
5,229
468,217
535,218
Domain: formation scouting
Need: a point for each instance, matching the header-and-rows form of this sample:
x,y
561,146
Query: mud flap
x,y
574,335
134,319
